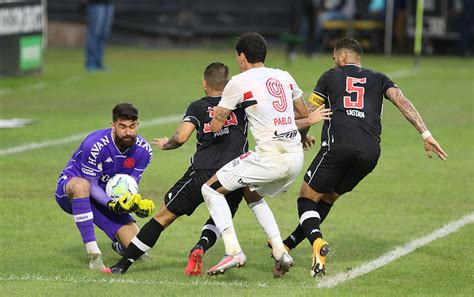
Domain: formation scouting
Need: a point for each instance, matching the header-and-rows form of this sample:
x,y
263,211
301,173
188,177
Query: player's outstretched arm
x,y
319,114
411,114
180,136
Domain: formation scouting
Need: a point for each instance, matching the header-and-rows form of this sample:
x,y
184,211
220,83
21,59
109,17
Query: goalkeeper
x,y
81,184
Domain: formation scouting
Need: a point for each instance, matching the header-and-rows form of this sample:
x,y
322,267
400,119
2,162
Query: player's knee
x,y
78,188
255,203
207,192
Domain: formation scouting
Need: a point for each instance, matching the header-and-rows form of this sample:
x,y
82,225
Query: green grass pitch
x,y
407,197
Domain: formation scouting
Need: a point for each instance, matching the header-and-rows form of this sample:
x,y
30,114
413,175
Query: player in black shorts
x,y
350,140
213,150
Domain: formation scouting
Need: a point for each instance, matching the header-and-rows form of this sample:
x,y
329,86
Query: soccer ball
x,y
119,185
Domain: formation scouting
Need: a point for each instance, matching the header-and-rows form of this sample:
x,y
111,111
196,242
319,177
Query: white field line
x,y
47,143
330,282
112,280
396,253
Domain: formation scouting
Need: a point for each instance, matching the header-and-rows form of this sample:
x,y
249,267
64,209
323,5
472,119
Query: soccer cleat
x,y
227,263
118,248
283,265
95,262
195,262
320,251
114,270
269,245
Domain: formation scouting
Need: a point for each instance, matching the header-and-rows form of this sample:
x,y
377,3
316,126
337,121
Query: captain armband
x,y
316,100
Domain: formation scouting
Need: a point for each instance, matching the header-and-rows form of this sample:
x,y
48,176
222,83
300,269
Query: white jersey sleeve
x,y
231,96
297,92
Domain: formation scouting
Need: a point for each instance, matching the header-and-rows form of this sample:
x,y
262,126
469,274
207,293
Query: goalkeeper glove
x,y
146,207
126,204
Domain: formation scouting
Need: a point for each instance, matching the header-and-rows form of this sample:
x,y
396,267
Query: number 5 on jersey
x,y
352,88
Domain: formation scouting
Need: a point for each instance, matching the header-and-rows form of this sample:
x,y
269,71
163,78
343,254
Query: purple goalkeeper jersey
x,y
98,159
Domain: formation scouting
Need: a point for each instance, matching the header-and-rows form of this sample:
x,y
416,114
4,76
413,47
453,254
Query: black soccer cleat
x,y
116,269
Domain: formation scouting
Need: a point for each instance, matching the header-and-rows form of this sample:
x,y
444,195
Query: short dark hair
x,y
124,111
216,75
254,47
349,44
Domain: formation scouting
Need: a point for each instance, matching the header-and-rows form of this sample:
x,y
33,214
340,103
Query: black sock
x,y
323,209
148,235
309,219
297,236
208,236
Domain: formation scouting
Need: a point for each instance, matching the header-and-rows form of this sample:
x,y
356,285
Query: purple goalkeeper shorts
x,y
106,220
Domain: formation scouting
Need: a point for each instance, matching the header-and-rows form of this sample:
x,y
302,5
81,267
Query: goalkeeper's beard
x,y
125,142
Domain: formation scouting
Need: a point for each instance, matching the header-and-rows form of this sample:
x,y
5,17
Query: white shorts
x,y
268,174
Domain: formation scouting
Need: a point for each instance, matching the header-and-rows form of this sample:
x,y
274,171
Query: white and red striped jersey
x,y
267,96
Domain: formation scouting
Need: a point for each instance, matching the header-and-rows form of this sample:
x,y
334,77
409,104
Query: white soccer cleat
x,y
283,265
95,262
227,263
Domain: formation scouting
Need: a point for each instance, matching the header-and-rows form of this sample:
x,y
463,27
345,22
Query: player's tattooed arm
x,y
406,107
180,136
220,116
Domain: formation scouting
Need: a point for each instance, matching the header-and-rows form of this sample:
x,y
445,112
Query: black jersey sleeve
x,y
321,88
192,115
387,83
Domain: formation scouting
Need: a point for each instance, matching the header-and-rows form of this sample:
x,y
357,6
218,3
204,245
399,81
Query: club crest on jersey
x,y
129,163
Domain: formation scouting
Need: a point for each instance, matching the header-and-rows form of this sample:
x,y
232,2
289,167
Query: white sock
x,y
220,213
92,247
267,221
231,243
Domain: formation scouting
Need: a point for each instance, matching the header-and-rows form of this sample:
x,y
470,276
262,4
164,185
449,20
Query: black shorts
x,y
185,196
339,170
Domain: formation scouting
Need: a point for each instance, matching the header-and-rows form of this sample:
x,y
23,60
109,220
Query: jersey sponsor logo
x,y
246,184
129,163
355,113
352,88
275,88
88,171
289,135
109,160
282,121
240,181
96,149
105,178
142,143
222,131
